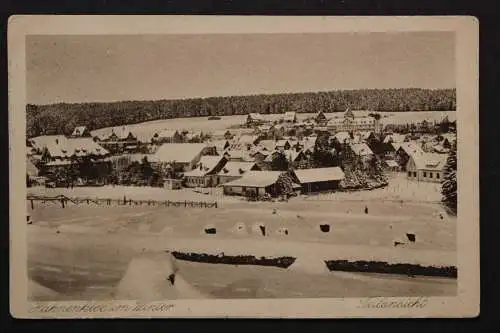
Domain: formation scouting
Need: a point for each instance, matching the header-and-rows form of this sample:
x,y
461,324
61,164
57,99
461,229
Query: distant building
x,y
350,123
81,132
426,167
255,119
320,118
362,151
290,117
167,136
119,140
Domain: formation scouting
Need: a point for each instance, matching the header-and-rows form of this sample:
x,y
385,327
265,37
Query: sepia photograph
x,y
212,166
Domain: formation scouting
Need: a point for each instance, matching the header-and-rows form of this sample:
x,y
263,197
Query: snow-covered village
x,y
345,193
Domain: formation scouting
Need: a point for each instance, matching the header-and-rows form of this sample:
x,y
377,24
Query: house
x,y
290,117
294,157
319,179
167,136
234,170
74,151
81,132
182,157
320,118
255,119
404,151
120,139
205,172
74,148
350,122
362,151
254,183
426,167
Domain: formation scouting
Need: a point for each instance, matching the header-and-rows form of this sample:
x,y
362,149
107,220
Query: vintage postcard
x,y
196,166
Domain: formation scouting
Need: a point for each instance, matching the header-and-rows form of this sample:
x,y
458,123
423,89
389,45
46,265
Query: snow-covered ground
x,y
84,249
202,123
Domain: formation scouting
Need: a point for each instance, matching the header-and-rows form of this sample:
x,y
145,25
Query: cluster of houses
x,y
241,163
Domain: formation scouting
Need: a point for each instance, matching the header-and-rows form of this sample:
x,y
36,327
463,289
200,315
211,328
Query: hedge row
x,y
387,268
282,262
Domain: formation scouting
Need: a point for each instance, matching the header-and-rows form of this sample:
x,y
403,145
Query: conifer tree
x,y
449,183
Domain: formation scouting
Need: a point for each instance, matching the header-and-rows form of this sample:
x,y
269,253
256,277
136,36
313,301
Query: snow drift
x,y
154,277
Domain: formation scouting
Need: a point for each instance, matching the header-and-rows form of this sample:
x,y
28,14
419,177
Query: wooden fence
x,y
40,201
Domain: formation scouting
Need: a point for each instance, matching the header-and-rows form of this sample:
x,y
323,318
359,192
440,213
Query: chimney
x,y
57,141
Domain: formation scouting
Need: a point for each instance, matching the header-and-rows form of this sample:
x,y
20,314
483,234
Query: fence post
x,y
124,200
31,203
88,202
185,203
216,204
62,203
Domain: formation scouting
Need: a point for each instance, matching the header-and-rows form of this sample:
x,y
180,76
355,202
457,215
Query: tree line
x,y
62,118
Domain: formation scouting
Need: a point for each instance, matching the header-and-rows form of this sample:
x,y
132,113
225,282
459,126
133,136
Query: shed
x,y
319,179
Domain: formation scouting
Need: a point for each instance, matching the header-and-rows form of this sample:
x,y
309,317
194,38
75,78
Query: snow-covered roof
x,y
75,147
361,149
256,179
207,164
342,136
410,148
79,130
268,144
43,141
234,168
395,138
281,143
178,152
392,163
256,116
430,161
319,174
247,139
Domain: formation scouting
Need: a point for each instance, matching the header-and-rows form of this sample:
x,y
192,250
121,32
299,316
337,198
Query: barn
x,y
319,179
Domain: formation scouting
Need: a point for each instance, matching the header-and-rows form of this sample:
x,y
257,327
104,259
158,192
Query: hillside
x,y
63,117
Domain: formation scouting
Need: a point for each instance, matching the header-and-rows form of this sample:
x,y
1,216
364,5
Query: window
x,y
425,174
409,173
437,175
430,174
414,174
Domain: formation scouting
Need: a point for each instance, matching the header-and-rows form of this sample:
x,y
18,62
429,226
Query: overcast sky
x,y
111,68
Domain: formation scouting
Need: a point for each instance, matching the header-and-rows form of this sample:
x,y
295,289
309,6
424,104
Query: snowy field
x,y
203,124
83,250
